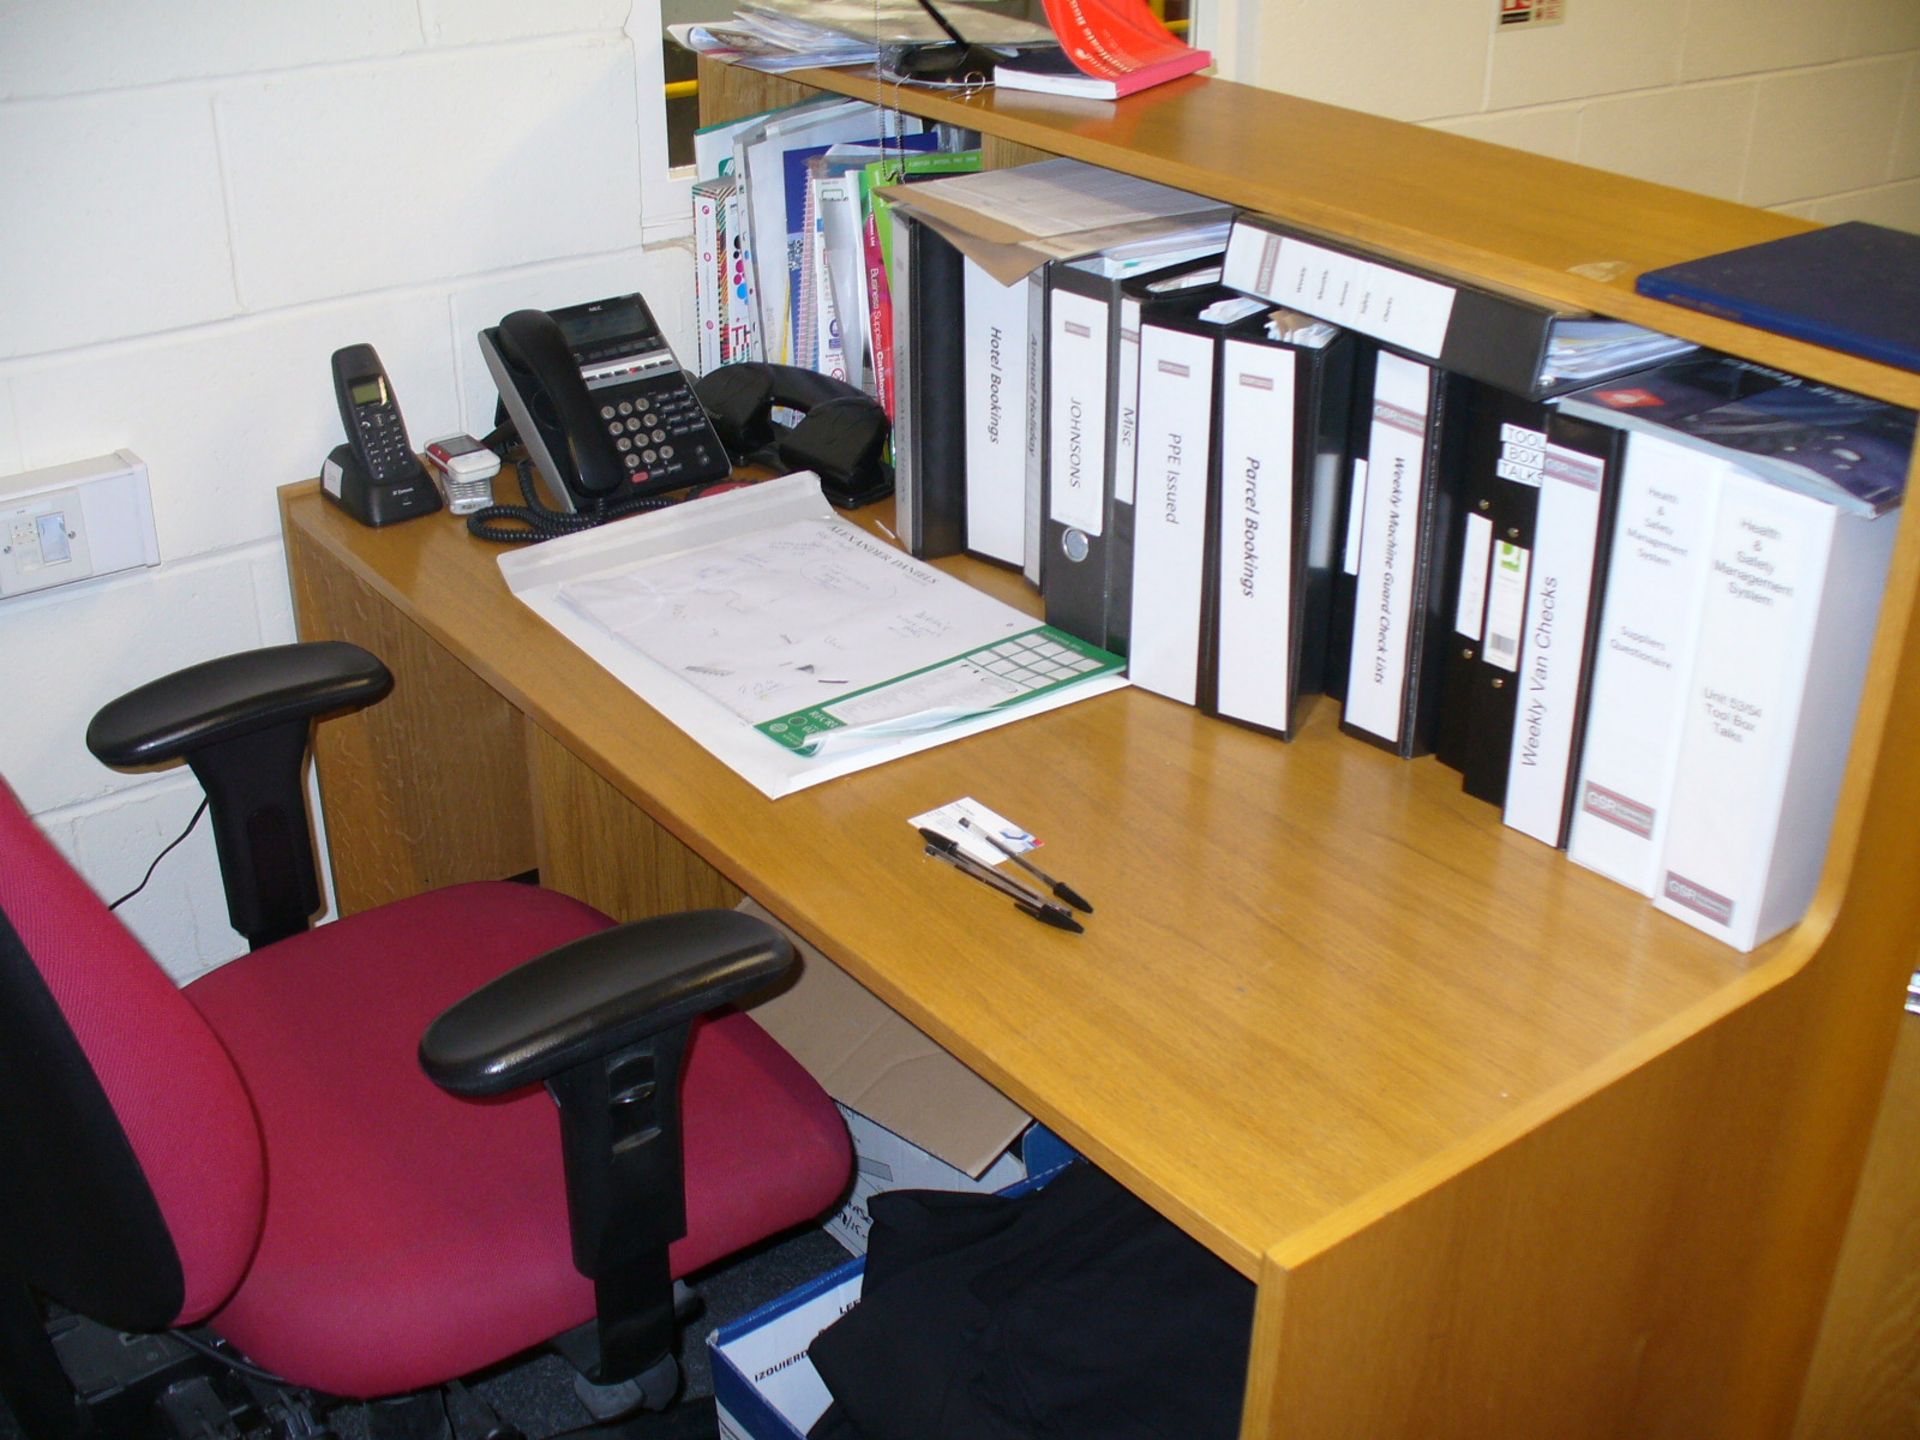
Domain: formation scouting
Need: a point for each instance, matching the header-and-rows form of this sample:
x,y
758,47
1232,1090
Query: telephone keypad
x,y
385,441
660,432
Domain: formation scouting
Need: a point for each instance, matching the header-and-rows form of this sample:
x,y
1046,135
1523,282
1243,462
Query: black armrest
x,y
235,695
597,995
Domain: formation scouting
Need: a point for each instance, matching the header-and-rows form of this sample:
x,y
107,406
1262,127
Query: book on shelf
x,y
840,253
802,168
760,164
874,181
1504,455
1830,444
1050,70
1106,49
710,282
880,319
1853,287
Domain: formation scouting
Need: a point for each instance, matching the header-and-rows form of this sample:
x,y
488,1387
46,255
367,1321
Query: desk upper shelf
x,y
1562,234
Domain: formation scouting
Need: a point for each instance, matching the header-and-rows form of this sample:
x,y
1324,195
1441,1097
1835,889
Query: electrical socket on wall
x,y
74,522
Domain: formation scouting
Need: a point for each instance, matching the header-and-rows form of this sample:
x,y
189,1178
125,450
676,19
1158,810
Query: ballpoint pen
x,y
1045,911
1012,884
1059,887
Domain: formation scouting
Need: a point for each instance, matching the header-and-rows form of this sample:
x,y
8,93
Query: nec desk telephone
x,y
603,407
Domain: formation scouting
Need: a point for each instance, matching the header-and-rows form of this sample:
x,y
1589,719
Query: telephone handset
x,y
603,407
838,431
375,476
371,415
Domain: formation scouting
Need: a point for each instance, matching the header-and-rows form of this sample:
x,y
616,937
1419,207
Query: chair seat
x,y
410,1235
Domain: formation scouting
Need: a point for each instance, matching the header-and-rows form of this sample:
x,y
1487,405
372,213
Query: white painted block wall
x,y
203,202
1797,105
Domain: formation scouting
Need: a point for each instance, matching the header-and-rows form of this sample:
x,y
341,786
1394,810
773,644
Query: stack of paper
x,y
757,39
1011,222
1596,348
791,644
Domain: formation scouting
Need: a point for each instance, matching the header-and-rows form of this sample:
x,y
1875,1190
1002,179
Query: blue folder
x,y
1852,287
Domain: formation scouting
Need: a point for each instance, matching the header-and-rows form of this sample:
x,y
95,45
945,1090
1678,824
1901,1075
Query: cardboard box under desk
x,y
918,1117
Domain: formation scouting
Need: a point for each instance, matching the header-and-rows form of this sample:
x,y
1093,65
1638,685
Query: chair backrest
x,y
131,1176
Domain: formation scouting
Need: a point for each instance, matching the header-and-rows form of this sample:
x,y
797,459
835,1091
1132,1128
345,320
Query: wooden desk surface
x,y
1315,973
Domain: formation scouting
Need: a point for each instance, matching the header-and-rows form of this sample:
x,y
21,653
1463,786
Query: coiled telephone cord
x,y
532,521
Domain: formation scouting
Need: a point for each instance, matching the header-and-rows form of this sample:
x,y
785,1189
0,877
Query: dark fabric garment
x,y
1069,1313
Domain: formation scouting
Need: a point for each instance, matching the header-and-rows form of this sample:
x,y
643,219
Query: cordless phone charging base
x,y
346,483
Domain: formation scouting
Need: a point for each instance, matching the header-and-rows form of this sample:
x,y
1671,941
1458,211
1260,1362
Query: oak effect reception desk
x,y
1507,1152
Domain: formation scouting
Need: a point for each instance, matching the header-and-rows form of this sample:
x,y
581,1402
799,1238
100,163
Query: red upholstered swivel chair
x,y
264,1151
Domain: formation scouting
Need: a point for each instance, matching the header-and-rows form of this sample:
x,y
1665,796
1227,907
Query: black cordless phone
x,y
372,416
375,476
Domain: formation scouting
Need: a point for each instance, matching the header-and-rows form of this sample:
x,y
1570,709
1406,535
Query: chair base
x,y
112,1383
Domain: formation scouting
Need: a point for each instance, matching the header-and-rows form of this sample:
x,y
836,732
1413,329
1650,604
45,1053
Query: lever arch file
x,y
1649,623
1405,513
1280,451
1579,478
997,395
929,432
1175,478
1504,341
1503,451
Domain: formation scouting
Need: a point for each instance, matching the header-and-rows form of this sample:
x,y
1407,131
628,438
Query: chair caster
x,y
652,1389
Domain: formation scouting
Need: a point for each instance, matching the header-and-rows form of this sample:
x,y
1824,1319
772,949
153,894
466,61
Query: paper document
x,y
790,643
1010,222
895,21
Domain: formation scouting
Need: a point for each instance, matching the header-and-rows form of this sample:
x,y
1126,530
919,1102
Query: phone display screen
x,y
587,327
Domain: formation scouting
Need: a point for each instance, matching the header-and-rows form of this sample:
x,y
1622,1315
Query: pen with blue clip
x,y
1027,901
1059,887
